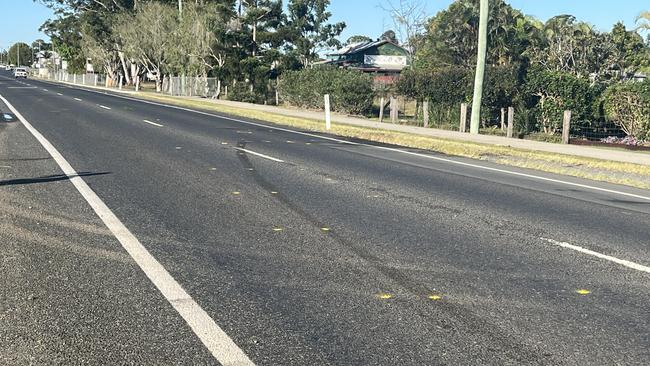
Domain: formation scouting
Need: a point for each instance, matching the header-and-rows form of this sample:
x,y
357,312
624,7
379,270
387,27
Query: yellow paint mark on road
x,y
435,297
274,192
278,229
325,229
236,193
384,296
583,292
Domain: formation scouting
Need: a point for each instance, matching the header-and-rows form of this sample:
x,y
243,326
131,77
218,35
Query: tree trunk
x,y
127,78
218,89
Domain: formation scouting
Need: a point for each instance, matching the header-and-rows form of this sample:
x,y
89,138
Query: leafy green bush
x,y
241,92
556,92
445,88
350,91
628,105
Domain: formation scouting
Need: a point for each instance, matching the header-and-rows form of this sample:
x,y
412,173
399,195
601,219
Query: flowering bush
x,y
627,140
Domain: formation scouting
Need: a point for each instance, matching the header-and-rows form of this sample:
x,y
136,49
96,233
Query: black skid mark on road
x,y
456,317
393,274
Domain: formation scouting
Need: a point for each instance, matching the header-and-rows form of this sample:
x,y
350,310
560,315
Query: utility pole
x,y
480,68
18,54
180,7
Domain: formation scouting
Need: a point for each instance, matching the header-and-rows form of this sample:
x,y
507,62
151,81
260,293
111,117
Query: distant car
x,y
20,73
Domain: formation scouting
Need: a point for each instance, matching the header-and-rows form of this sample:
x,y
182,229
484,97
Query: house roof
x,y
360,46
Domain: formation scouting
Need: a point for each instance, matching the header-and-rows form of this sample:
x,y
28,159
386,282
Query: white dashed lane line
x,y
623,262
260,155
77,99
103,106
152,123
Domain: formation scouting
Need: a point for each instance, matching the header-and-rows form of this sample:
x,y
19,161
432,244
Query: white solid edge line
x,y
213,337
103,106
260,155
152,123
623,262
451,161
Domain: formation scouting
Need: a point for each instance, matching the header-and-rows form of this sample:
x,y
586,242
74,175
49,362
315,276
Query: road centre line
x,y
260,155
213,337
623,262
103,106
152,123
437,158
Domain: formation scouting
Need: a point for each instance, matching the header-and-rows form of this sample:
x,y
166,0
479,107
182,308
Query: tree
x,y
308,28
390,36
567,45
628,52
357,39
20,54
408,21
262,18
451,37
148,36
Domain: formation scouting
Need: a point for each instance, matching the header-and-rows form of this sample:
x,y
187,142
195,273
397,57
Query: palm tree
x,y
644,20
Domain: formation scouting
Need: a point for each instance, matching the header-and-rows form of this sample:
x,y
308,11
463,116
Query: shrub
x,y
556,92
241,92
350,91
628,105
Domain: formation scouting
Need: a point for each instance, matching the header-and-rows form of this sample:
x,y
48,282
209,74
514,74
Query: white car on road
x,y
20,73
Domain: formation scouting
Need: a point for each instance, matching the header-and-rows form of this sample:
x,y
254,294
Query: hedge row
x,y
350,91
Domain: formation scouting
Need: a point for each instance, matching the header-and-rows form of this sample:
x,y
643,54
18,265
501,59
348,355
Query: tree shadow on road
x,y
47,178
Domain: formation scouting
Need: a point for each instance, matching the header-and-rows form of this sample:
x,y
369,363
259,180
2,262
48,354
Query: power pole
x,y
18,54
480,68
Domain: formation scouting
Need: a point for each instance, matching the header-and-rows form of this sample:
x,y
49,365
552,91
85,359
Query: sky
x,y
21,19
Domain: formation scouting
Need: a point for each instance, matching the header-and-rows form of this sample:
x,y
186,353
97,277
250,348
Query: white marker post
x,y
328,116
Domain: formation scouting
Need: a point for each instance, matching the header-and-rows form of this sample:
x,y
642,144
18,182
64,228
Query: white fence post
x,y
74,78
462,127
511,122
95,83
328,116
566,127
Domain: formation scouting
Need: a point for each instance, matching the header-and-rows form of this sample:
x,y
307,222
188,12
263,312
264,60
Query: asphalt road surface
x,y
188,238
